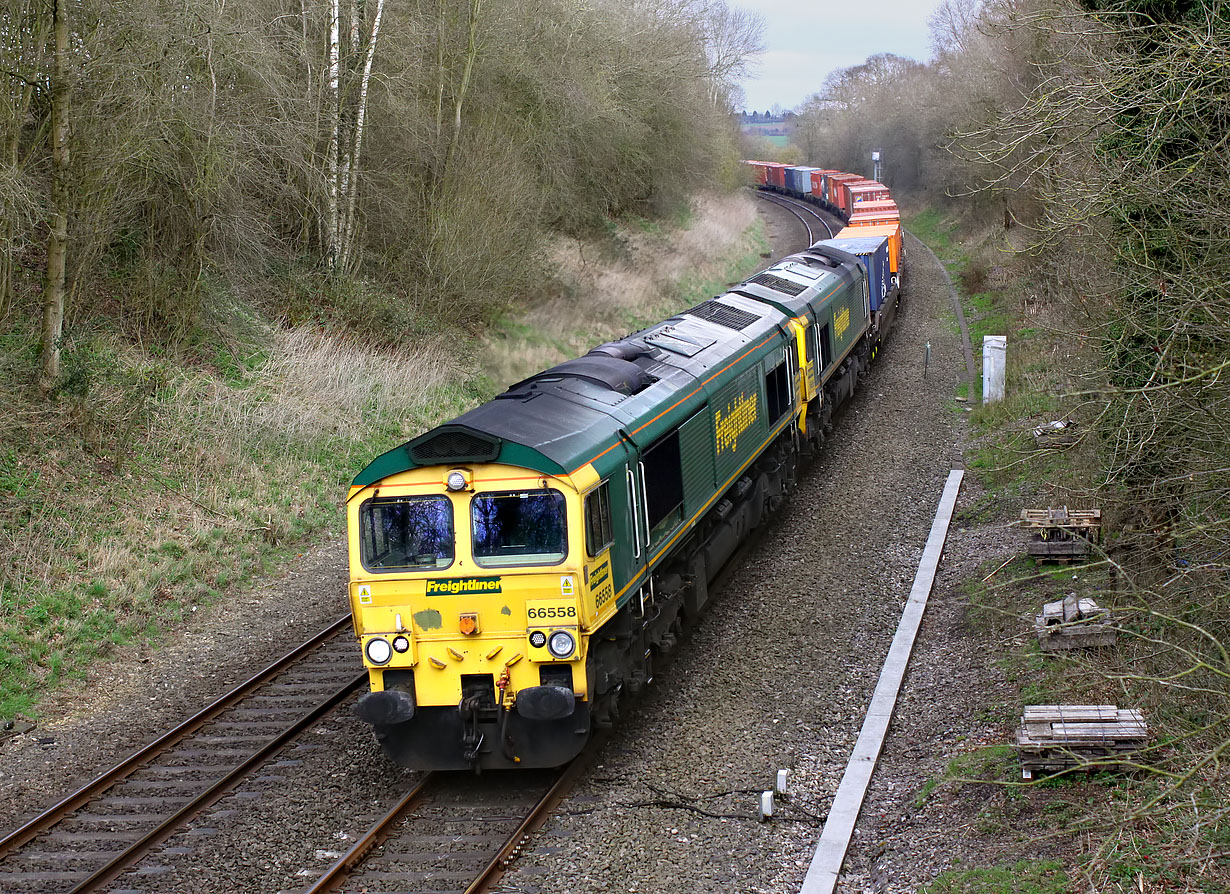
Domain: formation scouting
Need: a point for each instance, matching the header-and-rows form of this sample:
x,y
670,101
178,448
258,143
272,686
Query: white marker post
x,y
994,365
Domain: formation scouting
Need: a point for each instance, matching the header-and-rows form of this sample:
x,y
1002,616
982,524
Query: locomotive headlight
x,y
561,644
538,639
378,650
400,644
456,480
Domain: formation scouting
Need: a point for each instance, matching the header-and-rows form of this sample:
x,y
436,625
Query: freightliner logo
x,y
463,586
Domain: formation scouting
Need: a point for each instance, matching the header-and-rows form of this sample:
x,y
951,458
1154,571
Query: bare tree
x,y
57,231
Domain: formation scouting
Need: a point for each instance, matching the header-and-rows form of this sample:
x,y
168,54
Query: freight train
x,y
516,572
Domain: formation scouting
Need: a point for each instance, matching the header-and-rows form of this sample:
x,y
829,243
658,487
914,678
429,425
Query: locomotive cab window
x,y
777,391
810,344
406,533
519,528
826,347
663,486
598,534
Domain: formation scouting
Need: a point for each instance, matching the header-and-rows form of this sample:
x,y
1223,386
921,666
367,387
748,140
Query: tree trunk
x,y
333,98
439,73
57,235
352,176
471,54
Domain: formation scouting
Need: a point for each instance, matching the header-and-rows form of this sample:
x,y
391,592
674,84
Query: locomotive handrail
x,y
644,503
636,513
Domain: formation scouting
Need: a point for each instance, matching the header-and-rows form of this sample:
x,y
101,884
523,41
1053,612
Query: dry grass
x,y
655,274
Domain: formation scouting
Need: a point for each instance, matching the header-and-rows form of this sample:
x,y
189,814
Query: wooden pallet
x,y
1073,623
1059,550
1060,737
1062,534
1063,517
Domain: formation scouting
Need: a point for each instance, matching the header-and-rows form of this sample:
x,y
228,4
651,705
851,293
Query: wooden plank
x,y
1036,713
1111,727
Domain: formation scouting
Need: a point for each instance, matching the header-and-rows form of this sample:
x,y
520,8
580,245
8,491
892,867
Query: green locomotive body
x,y
642,466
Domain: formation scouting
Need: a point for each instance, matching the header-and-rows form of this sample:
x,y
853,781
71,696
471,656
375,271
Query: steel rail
x,y
538,815
173,824
377,834
52,815
773,200
382,830
804,206
105,780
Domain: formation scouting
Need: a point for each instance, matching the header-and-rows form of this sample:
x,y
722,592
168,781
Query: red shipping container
x,y
817,184
870,191
837,195
760,172
776,175
876,205
847,192
824,175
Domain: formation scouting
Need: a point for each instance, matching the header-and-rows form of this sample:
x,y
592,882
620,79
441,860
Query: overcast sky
x,y
800,49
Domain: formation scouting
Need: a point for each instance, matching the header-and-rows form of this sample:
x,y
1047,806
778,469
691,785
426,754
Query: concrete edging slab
x,y
830,853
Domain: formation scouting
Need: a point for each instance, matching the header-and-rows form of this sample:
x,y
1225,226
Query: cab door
x,y
628,519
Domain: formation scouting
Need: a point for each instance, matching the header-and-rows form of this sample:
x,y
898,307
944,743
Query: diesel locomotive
x,y
516,571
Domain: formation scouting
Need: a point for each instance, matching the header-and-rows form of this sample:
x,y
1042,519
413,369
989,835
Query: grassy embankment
x,y
157,482
1119,839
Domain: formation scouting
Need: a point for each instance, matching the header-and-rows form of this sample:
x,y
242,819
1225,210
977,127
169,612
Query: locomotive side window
x,y
519,528
826,347
663,486
809,344
777,391
598,534
406,533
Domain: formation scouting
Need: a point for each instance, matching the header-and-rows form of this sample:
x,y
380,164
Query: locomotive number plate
x,y
550,612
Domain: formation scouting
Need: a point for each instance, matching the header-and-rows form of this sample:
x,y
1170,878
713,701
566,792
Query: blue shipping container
x,y
798,180
873,252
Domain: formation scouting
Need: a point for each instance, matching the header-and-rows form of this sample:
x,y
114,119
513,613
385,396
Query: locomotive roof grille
x,y
452,445
724,315
778,284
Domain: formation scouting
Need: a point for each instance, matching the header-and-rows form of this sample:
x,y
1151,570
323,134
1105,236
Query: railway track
x,y
92,836
798,209
453,832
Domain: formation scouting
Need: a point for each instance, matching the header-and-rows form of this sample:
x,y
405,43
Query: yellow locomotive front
x,y
469,590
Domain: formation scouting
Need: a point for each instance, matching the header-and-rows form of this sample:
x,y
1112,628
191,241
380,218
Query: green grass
x,y
992,763
1023,877
940,234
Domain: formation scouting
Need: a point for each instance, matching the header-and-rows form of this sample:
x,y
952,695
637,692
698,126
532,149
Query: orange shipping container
x,y
875,207
892,231
877,219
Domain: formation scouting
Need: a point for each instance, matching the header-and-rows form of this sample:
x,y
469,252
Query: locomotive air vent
x,y
453,445
817,260
777,284
723,315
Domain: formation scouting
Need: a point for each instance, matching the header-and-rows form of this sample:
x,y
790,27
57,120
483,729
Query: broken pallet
x,y
1073,623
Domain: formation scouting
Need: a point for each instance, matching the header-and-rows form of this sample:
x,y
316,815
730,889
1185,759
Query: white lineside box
x,y
994,364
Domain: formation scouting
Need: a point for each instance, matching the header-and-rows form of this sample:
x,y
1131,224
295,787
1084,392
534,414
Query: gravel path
x,y
777,675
